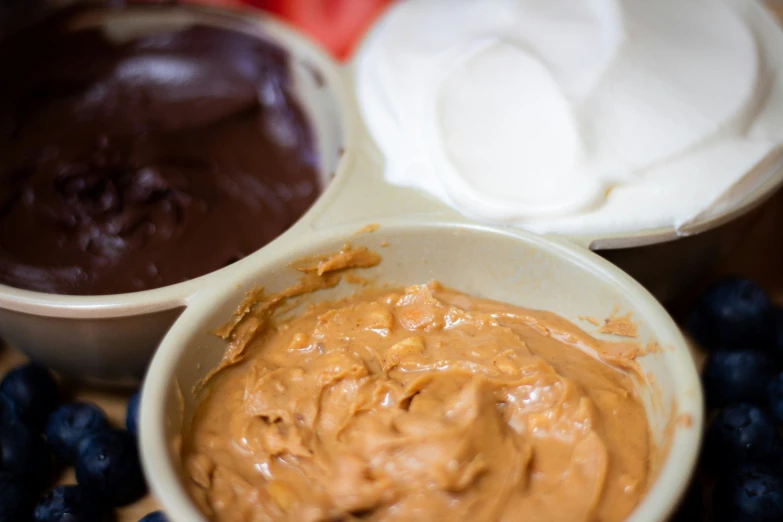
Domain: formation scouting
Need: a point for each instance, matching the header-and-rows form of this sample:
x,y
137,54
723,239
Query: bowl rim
x,y
663,494
755,198
254,22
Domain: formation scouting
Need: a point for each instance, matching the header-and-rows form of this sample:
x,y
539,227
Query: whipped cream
x,y
576,116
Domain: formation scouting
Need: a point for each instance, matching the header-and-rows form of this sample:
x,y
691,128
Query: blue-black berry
x,y
775,396
156,516
71,504
24,454
750,494
777,331
108,466
34,392
7,411
733,313
741,434
132,414
70,424
737,376
15,499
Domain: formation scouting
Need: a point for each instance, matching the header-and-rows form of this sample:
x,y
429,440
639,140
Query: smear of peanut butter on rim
x,y
368,229
621,326
257,308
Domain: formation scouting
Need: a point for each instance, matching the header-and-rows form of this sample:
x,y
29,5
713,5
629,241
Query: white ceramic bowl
x,y
510,266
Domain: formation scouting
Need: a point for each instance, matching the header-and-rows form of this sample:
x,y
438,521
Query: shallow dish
x,y
509,266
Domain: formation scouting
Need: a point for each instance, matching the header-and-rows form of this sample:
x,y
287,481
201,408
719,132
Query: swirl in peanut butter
x,y
420,404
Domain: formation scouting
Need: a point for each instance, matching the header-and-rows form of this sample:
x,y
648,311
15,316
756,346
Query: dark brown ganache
x,y
135,164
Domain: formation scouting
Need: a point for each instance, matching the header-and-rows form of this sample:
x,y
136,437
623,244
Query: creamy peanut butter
x,y
418,404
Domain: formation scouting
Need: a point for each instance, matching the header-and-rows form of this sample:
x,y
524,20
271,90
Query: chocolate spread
x,y
130,165
417,404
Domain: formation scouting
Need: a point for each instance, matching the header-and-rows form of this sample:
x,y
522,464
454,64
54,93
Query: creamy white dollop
x,y
576,116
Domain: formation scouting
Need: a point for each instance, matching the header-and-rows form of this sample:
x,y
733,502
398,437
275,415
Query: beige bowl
x,y
111,338
510,266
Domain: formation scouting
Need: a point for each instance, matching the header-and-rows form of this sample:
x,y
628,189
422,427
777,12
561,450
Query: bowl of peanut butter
x,y
422,371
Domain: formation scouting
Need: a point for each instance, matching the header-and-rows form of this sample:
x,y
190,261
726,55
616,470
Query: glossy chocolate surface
x,y
127,165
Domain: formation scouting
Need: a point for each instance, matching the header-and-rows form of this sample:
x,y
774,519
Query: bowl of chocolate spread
x,y
146,149
391,373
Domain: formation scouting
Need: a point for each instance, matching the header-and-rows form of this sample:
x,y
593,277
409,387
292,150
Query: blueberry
x,y
775,396
733,313
132,415
741,434
751,494
777,331
70,424
7,411
71,504
34,391
108,466
24,454
156,516
737,376
15,499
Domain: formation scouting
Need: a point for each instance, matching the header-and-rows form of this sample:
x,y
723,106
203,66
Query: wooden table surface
x,y
759,256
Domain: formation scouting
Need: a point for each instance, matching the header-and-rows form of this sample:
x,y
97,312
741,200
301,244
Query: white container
x,y
110,339
509,266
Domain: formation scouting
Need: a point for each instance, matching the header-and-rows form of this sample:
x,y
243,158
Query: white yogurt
x,y
576,116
